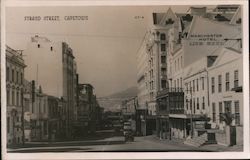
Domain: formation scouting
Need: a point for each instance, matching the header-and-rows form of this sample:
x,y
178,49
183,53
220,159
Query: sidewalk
x,y
208,147
68,143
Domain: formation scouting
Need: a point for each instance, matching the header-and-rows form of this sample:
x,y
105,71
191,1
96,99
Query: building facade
x,y
89,113
193,44
14,86
56,80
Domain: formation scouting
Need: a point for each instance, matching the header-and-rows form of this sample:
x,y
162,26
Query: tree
x,y
227,117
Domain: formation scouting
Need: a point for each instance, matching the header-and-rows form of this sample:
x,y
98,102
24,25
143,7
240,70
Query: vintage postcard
x,y
122,79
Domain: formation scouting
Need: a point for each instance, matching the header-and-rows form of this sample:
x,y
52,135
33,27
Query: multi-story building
x,y
152,66
88,110
191,37
14,86
43,114
225,91
52,65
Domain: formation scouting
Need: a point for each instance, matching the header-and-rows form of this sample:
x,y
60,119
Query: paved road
x,y
114,144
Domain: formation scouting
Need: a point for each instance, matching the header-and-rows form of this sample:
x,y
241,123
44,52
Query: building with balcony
x,y
15,66
52,65
152,65
194,39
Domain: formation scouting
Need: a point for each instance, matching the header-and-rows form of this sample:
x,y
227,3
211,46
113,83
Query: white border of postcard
x,y
129,155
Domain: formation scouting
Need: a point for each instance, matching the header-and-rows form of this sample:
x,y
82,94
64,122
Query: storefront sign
x,y
206,39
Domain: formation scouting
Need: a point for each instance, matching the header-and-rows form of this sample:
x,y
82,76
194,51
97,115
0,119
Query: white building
x,y
226,82
14,86
53,67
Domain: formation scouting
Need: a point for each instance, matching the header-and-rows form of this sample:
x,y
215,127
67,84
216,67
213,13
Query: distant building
x,y
14,86
52,65
44,115
129,110
88,111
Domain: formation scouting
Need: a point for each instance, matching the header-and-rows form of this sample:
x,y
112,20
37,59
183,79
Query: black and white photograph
x,y
124,78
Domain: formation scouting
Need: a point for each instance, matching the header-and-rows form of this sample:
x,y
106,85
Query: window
x,y
181,82
163,83
178,83
194,85
227,105
38,46
198,105
227,82
13,98
163,71
17,98
8,124
17,77
8,97
13,75
7,73
202,81
163,59
21,78
236,79
197,84
237,112
181,61
212,81
163,36
51,48
163,47
175,65
219,84
220,111
194,105
214,112
203,103
190,87
178,64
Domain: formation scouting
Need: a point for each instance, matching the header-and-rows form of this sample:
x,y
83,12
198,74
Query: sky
x,y
105,45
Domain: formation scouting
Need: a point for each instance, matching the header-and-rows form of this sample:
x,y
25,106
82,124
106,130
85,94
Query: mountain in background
x,y
128,93
113,102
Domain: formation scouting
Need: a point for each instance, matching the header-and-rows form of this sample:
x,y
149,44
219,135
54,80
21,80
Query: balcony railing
x,y
168,90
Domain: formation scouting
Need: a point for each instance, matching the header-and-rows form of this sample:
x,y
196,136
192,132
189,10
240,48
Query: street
x,y
115,144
